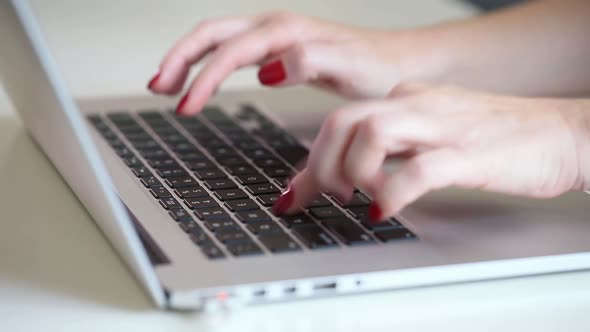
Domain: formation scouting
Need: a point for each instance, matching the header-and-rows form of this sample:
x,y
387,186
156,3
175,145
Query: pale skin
x,y
472,103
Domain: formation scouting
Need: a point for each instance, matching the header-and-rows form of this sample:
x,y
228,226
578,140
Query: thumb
x,y
311,62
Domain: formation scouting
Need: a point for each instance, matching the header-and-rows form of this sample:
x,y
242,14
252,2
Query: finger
x,y
301,191
426,172
309,62
192,48
245,49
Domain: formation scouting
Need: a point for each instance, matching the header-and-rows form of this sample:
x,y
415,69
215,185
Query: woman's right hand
x,y
291,49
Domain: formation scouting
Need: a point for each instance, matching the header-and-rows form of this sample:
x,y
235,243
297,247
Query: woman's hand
x,y
291,49
532,147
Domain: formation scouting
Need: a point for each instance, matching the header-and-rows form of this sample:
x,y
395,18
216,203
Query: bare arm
x,y
538,48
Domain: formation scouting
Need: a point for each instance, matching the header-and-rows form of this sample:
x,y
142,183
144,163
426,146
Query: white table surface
x,y
58,273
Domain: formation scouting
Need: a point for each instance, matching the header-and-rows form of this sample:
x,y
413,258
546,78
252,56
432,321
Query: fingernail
x,y
375,213
180,106
284,202
272,73
153,81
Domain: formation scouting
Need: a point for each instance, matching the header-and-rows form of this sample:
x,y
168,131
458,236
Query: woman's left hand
x,y
454,137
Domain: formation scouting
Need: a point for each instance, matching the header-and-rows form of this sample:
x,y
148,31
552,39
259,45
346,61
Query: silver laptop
x,y
186,200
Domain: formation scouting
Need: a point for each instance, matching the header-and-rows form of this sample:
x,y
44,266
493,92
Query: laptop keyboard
x,y
218,177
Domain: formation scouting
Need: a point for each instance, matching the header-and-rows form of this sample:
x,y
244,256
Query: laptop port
x,y
325,286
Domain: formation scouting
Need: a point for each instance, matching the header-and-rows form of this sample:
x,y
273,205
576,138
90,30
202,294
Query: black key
x,y
171,172
242,205
261,153
231,234
262,188
380,225
132,162
200,202
230,194
264,227
293,154
170,203
268,200
244,248
358,200
181,182
157,163
181,147
160,192
247,144
268,162
253,216
280,242
180,215
297,220
314,237
221,224
320,202
326,212
146,145
224,151
348,231
189,192
151,182
189,226
218,184
389,235
241,170
199,237
124,152
141,172
214,213
200,164
155,154
211,250
232,161
360,213
207,174
251,179
278,172
282,182
192,156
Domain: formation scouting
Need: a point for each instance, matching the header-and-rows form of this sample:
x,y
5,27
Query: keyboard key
x,y
260,153
277,172
389,235
241,170
218,184
375,226
230,194
320,202
244,248
157,163
264,227
297,220
189,192
251,179
151,182
207,174
200,164
232,161
269,162
348,231
132,162
141,172
155,154
160,192
124,152
171,172
293,154
242,205
279,242
358,200
200,202
189,226
268,200
216,225
214,213
182,182
180,215
191,156
253,216
262,188
314,237
211,250
282,181
169,203
326,212
231,234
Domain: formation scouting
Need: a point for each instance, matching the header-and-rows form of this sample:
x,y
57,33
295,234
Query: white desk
x,y
57,271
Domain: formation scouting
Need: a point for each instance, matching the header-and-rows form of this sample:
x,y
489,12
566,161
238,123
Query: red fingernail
x,y
180,107
153,81
284,202
375,213
272,73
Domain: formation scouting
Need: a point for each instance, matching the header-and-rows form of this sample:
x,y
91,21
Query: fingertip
x,y
154,81
272,73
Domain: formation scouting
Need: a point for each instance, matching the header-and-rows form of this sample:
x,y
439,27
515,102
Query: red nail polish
x,y
284,202
180,107
272,73
375,213
153,81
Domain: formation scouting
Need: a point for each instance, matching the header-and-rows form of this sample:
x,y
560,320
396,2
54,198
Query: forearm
x,y
539,48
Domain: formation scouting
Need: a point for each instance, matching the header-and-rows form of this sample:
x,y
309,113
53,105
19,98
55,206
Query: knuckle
x,y
372,130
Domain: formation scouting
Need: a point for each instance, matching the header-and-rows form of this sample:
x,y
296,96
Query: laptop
x,y
186,201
